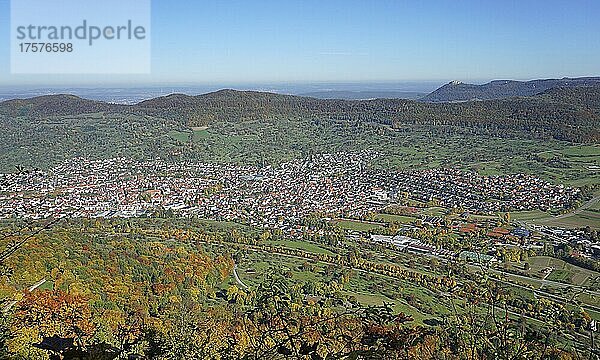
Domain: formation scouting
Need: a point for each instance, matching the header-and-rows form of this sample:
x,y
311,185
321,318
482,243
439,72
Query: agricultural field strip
x,y
258,249
446,295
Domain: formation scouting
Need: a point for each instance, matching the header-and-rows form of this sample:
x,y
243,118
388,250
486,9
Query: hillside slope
x,y
54,105
500,89
571,114
564,114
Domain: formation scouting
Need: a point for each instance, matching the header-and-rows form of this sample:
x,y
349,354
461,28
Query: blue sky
x,y
244,41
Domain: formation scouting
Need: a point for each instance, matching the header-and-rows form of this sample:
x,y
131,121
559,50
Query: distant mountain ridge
x,y
500,89
564,113
53,105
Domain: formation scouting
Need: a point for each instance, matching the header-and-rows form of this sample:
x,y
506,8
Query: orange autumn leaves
x,y
54,313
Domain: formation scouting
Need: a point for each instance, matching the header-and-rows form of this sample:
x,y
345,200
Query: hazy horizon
x,y
272,42
134,93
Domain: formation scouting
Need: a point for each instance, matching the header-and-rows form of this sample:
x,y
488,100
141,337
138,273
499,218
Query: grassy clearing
x,y
357,225
485,217
48,285
529,215
397,306
180,136
562,271
214,225
580,278
594,314
200,134
579,220
582,151
560,275
367,289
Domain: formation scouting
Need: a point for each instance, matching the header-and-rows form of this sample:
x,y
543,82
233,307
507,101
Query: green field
x,y
578,220
180,136
398,306
367,289
583,153
200,134
562,271
48,285
560,275
529,215
356,225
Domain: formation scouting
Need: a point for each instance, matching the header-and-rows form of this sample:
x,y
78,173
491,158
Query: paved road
x,y
589,204
31,289
237,278
542,293
549,283
543,282
37,285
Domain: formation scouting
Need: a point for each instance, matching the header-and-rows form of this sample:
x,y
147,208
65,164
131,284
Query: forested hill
x,y
587,97
571,114
54,105
500,89
229,105
566,113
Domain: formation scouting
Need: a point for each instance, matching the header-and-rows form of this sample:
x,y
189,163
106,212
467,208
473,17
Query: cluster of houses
x,y
339,184
482,194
